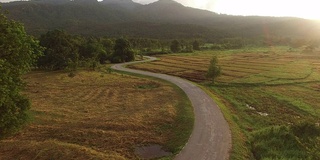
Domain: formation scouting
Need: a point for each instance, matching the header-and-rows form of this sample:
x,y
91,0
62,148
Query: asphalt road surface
x,y
211,136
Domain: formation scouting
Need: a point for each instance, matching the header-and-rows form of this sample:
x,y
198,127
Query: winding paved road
x,y
211,137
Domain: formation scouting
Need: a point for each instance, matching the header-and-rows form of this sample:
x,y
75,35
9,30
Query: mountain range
x,y
161,19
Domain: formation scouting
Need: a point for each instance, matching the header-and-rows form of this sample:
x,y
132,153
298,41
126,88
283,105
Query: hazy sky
x,y
295,8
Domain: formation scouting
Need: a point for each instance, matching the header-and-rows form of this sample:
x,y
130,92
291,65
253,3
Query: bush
x,y
299,141
276,143
115,59
305,130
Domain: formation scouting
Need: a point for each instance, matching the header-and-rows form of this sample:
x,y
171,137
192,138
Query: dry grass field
x,y
269,66
99,116
260,88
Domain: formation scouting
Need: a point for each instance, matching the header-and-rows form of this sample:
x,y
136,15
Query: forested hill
x,y
161,19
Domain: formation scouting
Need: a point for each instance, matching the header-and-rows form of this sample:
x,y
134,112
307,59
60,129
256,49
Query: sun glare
x,y
285,8
290,8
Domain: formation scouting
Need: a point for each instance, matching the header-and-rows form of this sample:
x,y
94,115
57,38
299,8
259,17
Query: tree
x,y
175,46
214,70
196,45
189,49
122,51
61,51
92,53
18,53
108,45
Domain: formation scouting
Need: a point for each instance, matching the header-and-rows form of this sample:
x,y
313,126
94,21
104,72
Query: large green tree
x,y
175,46
61,51
92,49
18,53
196,45
122,51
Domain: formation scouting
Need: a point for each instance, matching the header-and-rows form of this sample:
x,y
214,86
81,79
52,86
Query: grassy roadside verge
x,y
239,140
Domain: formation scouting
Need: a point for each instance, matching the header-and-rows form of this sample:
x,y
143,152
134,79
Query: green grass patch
x,y
286,142
183,124
240,143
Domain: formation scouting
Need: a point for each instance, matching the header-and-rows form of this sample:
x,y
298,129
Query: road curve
x,y
211,136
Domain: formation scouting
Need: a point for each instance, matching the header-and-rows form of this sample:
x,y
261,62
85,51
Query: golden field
x,y
95,115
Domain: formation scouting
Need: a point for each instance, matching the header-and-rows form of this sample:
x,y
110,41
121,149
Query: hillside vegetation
x,y
162,19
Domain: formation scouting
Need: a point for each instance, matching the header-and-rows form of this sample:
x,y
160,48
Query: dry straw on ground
x,y
92,116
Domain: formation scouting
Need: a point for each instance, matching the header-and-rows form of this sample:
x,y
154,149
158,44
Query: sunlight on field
x,y
258,67
261,87
98,116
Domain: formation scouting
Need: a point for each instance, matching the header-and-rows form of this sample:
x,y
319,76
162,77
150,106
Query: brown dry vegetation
x,y
274,65
95,116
